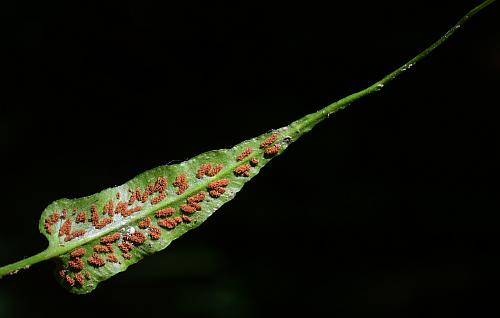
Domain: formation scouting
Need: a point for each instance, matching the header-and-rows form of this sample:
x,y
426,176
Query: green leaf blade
x,y
82,274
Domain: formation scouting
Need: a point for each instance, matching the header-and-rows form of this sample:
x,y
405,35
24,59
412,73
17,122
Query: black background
x,y
388,208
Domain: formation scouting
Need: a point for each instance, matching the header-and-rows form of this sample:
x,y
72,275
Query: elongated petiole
x,y
307,122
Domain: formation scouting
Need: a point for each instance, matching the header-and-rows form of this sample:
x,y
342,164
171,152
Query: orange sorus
x,y
65,228
244,154
112,258
203,170
125,246
218,183
187,208
95,215
76,264
215,193
200,196
164,212
109,208
269,140
242,170
78,252
137,238
75,234
79,279
108,248
95,260
158,198
181,183
121,207
147,192
144,223
215,170
129,212
53,218
178,219
110,238
62,273
186,218
168,223
70,280
160,184
81,217
132,197
102,223
271,151
154,232
127,256
254,162
217,187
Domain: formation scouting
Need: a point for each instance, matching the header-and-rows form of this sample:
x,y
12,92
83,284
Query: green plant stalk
x,y
295,130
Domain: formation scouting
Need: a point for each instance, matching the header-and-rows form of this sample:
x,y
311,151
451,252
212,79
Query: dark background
x,y
402,219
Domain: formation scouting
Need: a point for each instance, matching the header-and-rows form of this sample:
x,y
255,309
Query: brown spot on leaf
x,y
52,219
186,208
65,228
131,211
79,252
76,264
70,280
127,256
125,246
81,217
242,170
160,184
112,258
164,212
168,223
75,234
215,170
271,151
137,238
158,198
95,260
203,170
94,215
109,208
181,183
108,248
244,154
268,141
79,279
216,188
121,207
110,238
145,223
154,232
102,223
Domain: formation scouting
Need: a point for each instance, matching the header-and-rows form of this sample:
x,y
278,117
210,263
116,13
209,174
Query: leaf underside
x,y
95,237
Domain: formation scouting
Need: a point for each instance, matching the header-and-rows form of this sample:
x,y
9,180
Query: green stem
x,y
25,263
306,123
296,129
